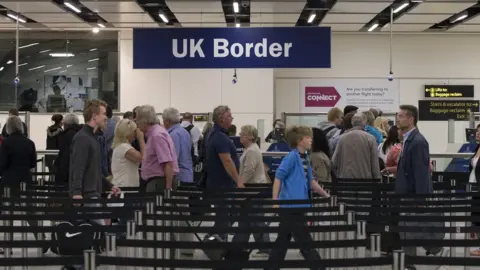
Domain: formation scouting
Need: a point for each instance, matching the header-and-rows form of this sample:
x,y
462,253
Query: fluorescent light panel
x,y
90,68
1,68
9,62
24,64
28,45
237,25
94,59
461,17
163,17
52,69
101,25
72,7
44,51
373,27
42,66
16,17
95,30
62,55
311,17
236,8
401,7
94,49
69,66
62,71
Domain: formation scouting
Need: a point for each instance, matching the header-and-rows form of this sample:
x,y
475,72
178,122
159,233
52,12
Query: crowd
x,y
141,151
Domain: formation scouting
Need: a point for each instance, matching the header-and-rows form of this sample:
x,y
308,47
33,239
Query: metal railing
x,y
322,116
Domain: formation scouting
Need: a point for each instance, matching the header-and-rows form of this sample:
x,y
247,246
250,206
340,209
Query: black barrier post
x,y
331,236
340,252
7,223
111,244
453,236
89,260
468,224
150,210
131,232
171,235
159,252
138,216
350,234
375,248
23,188
398,260
361,235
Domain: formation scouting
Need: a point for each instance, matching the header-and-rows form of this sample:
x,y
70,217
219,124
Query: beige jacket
x,y
321,167
356,156
251,165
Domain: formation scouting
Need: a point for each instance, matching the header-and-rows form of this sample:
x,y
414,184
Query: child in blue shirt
x,y
294,181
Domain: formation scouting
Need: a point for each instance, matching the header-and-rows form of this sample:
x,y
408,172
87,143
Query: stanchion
x,y
468,224
330,236
453,236
340,235
24,237
150,236
138,217
111,244
398,260
361,235
7,223
350,235
375,247
159,236
131,233
170,236
89,260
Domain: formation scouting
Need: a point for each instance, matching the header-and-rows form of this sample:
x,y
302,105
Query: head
x,y
335,116
70,120
128,115
347,121
375,112
248,135
320,142
109,111
124,132
206,129
381,123
134,113
393,137
14,125
232,131
349,109
13,112
407,117
56,90
57,119
278,123
146,117
370,118
222,116
95,113
299,137
359,120
477,134
188,117
171,117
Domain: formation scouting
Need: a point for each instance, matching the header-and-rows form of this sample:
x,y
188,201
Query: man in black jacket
x,y
62,163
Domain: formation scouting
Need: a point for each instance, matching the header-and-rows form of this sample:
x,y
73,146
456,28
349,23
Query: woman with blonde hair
x,y
125,158
381,123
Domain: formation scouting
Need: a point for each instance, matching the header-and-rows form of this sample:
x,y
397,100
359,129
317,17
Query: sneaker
x,y
261,254
444,253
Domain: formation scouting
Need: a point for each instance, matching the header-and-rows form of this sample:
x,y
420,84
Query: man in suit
x,y
413,174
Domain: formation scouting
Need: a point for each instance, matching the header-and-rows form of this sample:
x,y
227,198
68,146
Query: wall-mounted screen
x,y
436,110
449,91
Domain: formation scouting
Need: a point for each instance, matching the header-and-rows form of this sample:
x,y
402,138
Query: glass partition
x,y
304,119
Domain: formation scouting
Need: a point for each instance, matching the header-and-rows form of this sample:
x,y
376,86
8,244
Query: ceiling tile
x,y
112,7
406,27
360,7
274,18
279,7
194,6
421,18
348,18
127,17
343,27
465,28
441,8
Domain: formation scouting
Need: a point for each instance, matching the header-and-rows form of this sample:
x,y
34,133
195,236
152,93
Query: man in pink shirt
x,y
159,165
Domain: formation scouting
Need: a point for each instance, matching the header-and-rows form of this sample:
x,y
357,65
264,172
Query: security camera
x,y
234,79
16,80
245,4
390,76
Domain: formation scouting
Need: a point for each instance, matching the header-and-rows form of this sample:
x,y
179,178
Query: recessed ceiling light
x,y
28,45
44,51
62,55
236,8
42,66
95,30
90,68
93,60
24,64
52,69
1,68
312,17
163,17
69,66
62,71
94,49
16,17
373,27
9,62
72,6
237,25
101,25
401,7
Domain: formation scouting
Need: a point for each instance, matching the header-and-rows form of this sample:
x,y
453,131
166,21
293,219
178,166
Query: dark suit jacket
x,y
477,167
17,157
413,170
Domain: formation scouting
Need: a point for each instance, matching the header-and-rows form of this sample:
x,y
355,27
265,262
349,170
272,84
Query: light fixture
x,y
101,25
28,45
44,51
9,62
237,24
52,69
42,66
91,68
62,55
71,6
401,7
62,71
236,8
69,66
459,17
373,27
95,30
94,49
1,68
16,17
163,17
94,59
312,17
24,64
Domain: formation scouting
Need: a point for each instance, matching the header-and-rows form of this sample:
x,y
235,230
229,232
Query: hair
x,y
134,111
206,129
369,117
295,134
57,119
276,122
172,115
392,138
14,125
334,114
347,121
218,112
71,119
358,120
13,111
109,111
349,108
146,115
188,116
92,107
123,129
128,115
412,111
250,131
320,142
381,123
375,112
232,130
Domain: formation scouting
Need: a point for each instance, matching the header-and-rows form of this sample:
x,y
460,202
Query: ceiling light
x,y
101,25
72,6
236,8
237,25
37,67
9,62
62,55
401,7
24,64
373,27
16,17
93,60
311,17
52,69
1,68
69,66
62,71
95,30
28,45
94,49
163,17
44,51
459,17
90,68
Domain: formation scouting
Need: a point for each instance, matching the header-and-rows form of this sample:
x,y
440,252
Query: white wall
x,y
196,90
417,60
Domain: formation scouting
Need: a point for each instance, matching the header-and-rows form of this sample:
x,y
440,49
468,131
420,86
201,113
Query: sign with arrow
x,y
436,110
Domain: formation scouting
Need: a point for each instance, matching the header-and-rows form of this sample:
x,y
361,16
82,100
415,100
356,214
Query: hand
x,y
139,134
116,190
240,185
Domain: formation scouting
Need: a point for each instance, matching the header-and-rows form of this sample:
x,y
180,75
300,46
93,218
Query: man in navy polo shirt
x,y
222,159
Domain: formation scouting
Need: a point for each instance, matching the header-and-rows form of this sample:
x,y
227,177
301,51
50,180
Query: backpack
x,y
195,159
74,242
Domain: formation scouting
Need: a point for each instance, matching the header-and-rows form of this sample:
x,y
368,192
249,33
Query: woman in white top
x,y
125,158
392,139
474,177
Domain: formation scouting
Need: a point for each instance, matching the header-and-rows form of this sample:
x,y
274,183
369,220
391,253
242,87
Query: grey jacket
x,y
321,167
356,156
85,177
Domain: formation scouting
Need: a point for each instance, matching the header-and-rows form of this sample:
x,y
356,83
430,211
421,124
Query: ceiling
x,y
446,16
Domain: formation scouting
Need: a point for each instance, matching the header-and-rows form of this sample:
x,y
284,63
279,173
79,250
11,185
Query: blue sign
x,y
274,47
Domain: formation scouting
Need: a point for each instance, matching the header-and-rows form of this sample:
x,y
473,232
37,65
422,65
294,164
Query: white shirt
x,y
472,178
125,172
195,134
